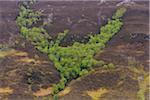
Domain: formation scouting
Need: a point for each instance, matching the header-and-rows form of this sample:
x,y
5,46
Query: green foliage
x,y
60,86
60,37
120,12
27,17
107,31
72,61
24,31
105,66
55,97
111,66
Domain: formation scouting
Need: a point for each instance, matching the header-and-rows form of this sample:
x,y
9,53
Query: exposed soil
x,y
30,70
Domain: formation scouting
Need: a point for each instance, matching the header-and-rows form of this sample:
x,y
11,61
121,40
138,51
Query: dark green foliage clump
x,y
72,61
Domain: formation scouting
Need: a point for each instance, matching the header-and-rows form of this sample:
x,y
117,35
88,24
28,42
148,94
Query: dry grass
x,y
143,88
43,92
30,60
12,52
65,91
96,94
6,90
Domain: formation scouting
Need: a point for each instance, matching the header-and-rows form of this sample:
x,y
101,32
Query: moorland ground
x,y
128,50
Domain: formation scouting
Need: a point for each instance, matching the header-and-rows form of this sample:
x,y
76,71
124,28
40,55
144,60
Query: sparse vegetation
x,y
72,61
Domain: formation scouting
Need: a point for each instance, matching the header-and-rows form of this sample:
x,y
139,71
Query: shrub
x,y
27,17
105,66
111,66
24,32
60,37
55,89
119,13
55,97
72,61
83,72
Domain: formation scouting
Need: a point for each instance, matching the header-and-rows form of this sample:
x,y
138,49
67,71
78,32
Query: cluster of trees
x,y
77,60
111,28
27,17
72,61
37,35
